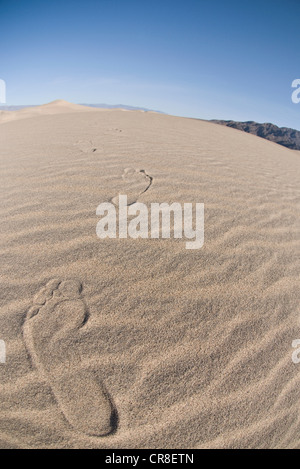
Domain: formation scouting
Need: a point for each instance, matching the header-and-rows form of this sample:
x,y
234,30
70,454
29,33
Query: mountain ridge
x,y
285,136
59,102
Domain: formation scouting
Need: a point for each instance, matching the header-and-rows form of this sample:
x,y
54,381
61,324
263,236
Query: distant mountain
x,y
102,106
14,108
289,138
122,106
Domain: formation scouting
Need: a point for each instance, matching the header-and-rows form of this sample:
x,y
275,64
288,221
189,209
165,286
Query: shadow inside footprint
x,y
137,181
51,324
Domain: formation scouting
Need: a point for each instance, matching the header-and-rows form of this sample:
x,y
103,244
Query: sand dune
x,y
58,106
123,343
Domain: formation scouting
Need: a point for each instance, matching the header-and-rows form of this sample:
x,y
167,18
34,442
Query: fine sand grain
x,y
124,343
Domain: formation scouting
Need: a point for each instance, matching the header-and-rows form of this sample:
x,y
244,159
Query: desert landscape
x,y
140,343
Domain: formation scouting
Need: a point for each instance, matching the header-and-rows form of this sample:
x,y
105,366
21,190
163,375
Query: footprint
x,y
51,325
86,146
137,182
115,130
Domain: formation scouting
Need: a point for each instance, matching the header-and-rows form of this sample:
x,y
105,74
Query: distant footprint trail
x,y
51,325
137,182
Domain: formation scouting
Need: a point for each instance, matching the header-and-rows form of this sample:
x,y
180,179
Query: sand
x,y
124,343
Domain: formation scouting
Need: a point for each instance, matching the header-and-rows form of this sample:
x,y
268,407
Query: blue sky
x,y
198,58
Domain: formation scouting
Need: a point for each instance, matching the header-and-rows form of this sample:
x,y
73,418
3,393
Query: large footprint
x,y
51,325
137,182
86,146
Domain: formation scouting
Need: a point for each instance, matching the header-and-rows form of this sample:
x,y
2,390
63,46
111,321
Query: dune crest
x,y
166,347
58,106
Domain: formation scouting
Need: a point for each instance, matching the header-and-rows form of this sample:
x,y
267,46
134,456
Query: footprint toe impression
x,y
57,314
